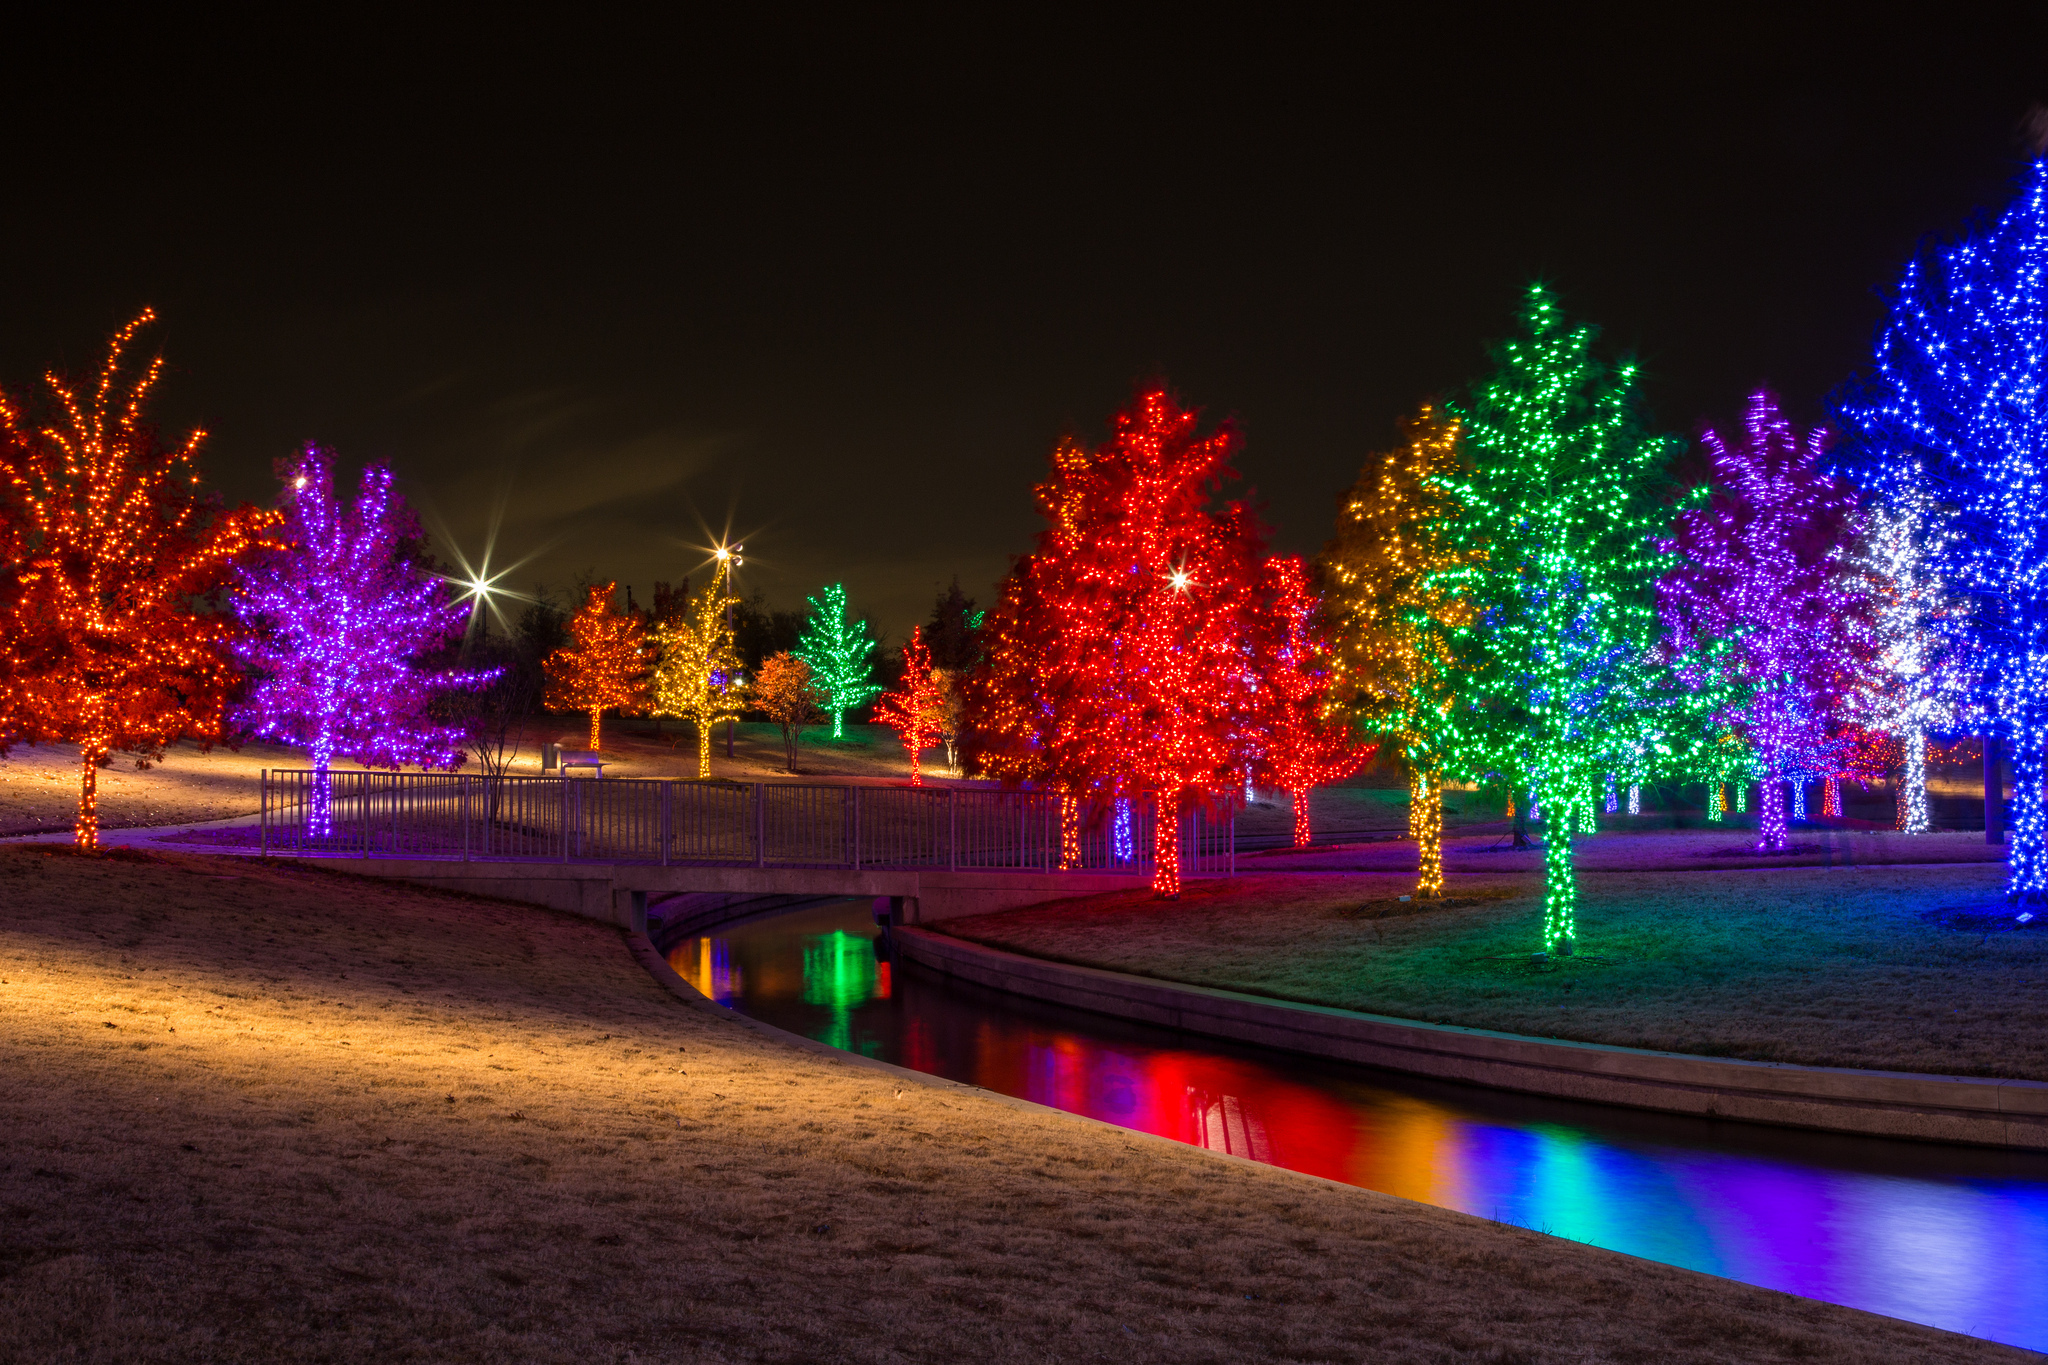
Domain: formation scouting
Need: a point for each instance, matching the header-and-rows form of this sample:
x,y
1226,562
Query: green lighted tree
x,y
1562,670
837,650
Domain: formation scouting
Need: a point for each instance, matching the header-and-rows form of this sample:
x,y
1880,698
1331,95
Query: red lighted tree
x,y
1118,653
1301,744
917,710
113,640
604,665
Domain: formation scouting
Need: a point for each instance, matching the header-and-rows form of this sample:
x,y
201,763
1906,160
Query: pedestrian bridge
x,y
608,848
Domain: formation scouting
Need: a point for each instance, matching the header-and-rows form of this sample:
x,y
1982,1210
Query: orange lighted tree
x,y
604,665
784,689
113,640
917,711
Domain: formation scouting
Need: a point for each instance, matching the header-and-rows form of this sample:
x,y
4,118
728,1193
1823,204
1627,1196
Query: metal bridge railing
x,y
720,824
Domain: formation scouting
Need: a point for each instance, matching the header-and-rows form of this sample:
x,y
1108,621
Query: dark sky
x,y
842,288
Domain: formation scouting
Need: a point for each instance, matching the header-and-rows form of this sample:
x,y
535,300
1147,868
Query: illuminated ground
x,y
1826,966
265,1114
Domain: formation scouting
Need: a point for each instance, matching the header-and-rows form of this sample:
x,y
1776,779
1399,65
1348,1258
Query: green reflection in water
x,y
839,976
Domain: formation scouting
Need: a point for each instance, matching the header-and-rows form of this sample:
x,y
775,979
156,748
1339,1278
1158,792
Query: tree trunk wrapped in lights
x,y
1390,612
1561,668
1762,565
1954,405
917,712
1120,657
697,668
113,640
340,622
604,665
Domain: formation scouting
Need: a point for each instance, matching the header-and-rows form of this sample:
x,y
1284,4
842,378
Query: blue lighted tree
x,y
1959,398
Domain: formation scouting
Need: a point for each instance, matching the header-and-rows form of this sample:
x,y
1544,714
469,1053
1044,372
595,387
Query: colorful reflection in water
x,y
1954,1237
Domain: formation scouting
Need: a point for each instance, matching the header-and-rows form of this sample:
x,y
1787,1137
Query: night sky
x,y
841,289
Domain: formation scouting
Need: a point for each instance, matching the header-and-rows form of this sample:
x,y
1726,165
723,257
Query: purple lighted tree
x,y
1762,566
338,623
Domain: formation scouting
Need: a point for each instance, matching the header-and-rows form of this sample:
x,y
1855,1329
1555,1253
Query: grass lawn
x,y
1829,967
258,1113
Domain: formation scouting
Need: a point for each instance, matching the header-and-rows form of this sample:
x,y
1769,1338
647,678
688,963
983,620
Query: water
x,y
1954,1237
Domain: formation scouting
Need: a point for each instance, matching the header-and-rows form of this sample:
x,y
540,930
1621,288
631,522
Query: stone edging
x,y
1894,1104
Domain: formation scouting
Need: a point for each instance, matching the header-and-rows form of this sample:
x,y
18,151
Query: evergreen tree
x,y
837,649
1558,656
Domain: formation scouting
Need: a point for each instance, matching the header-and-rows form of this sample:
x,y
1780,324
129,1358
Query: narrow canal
x,y
1955,1237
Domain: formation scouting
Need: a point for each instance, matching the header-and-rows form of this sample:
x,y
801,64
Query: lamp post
x,y
730,557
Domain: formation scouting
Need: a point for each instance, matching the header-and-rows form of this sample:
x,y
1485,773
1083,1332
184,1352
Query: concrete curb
x,y
1894,1104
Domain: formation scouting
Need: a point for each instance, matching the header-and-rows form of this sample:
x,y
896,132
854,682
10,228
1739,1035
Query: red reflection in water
x,y
1933,1240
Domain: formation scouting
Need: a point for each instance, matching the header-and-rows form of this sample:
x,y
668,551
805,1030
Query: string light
x,y
1301,744
1919,681
1955,402
338,622
1561,668
697,666
104,646
1635,798
1389,612
604,665
1761,565
917,712
837,650
1124,653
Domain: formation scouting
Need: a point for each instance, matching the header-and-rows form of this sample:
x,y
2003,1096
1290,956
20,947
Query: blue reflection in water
x,y
1955,1237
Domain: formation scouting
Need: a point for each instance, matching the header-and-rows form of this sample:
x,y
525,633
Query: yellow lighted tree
x,y
1388,619
111,637
604,665
697,676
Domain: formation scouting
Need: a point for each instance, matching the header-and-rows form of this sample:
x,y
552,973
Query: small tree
x,y
698,674
1390,609
604,665
917,713
112,642
783,688
1302,744
1761,565
837,650
1922,675
340,624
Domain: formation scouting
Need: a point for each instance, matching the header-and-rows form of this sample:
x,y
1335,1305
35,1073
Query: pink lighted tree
x,y
1762,565
339,624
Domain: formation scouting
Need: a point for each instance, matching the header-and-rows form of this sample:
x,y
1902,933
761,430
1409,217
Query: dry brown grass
x,y
1816,966
267,1114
